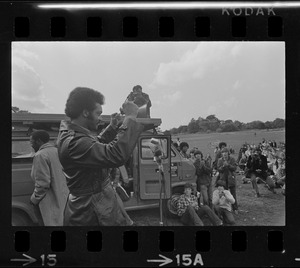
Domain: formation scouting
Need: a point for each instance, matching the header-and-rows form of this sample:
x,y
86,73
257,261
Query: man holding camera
x,y
226,167
257,168
222,201
86,159
140,98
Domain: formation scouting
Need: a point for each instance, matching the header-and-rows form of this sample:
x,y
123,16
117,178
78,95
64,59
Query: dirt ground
x,y
267,210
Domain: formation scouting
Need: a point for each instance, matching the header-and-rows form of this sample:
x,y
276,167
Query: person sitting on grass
x,y
222,201
190,212
279,173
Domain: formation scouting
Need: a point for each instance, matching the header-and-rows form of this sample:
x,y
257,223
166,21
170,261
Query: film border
x,y
257,253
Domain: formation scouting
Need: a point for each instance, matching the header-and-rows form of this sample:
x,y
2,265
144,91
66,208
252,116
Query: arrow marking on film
x,y
29,260
163,261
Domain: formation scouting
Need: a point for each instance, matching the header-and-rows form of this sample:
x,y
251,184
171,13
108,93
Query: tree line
x,y
212,124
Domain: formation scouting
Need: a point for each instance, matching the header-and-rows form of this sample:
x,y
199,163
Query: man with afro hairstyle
x,y
183,149
86,159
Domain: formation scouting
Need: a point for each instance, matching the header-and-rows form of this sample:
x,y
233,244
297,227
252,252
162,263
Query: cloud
x,y
27,86
193,64
237,85
232,101
173,98
167,98
212,110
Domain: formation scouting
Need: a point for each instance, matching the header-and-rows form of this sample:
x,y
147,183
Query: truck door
x,y
150,179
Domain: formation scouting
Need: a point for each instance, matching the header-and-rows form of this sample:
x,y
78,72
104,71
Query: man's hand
x,y
115,120
194,204
31,203
130,109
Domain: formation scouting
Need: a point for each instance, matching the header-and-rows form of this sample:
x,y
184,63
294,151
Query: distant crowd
x,y
262,163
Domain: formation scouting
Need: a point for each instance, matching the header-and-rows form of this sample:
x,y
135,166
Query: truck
x,y
147,185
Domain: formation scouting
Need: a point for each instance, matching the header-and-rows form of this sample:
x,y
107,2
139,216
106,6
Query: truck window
x,y
150,145
173,154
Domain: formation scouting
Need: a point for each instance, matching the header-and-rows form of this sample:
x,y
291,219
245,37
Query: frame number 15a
x,y
188,260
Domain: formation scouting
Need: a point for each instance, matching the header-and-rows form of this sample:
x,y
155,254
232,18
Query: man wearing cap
x,y
222,201
257,167
204,179
190,212
226,167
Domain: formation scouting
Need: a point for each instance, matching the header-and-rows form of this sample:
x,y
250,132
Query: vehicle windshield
x,y
149,146
21,149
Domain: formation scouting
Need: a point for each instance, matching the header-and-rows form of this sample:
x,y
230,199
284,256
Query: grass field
x,y
268,210
206,141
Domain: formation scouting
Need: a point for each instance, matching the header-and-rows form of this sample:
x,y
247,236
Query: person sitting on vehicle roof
x,y
190,212
140,98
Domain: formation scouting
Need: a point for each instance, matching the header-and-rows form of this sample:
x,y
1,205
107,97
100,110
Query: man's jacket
x,y
85,160
203,172
227,172
50,189
258,166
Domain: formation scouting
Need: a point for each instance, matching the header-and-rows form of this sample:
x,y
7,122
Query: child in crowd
x,y
190,212
222,201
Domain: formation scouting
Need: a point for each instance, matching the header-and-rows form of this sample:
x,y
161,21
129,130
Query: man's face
x,y
35,144
225,155
198,156
94,117
221,189
188,191
138,90
184,149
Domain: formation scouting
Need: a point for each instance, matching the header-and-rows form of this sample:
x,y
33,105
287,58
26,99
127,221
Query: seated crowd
x,y
264,163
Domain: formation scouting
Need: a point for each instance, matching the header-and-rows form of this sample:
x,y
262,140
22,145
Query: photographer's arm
x,y
216,197
232,165
229,196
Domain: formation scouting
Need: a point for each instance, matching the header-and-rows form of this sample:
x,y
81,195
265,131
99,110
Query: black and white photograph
x,y
148,133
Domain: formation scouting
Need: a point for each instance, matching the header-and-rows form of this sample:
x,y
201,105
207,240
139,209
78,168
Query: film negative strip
x,y
232,65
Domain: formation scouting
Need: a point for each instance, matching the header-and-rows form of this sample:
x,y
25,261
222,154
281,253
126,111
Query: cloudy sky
x,y
242,81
